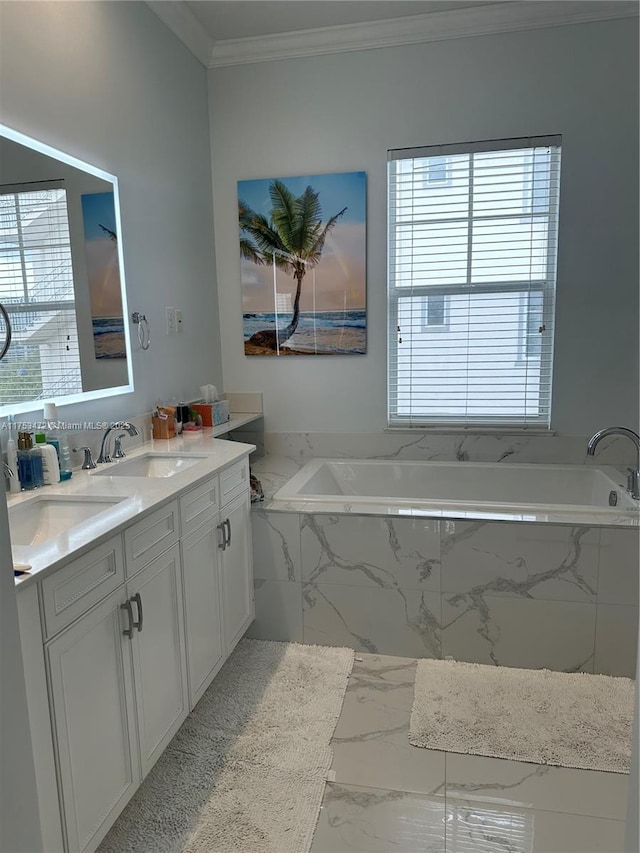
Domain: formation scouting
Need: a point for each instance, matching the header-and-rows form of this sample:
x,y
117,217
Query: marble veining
x,y
524,594
393,554
311,594
372,620
414,444
284,554
567,571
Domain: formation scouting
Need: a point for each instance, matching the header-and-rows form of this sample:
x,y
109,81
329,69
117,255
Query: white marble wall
x,y
459,446
529,595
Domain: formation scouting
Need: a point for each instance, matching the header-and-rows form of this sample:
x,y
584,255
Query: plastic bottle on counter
x,y
50,465
29,463
65,457
12,459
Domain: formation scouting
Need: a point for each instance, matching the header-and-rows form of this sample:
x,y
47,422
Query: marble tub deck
x,y
385,794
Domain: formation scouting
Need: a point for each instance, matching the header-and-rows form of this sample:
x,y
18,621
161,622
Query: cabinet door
x,y
203,625
94,722
236,571
159,664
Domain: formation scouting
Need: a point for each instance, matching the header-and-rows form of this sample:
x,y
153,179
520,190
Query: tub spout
x,y
633,478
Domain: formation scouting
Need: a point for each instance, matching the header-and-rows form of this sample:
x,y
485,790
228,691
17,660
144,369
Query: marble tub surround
x,y
528,595
442,446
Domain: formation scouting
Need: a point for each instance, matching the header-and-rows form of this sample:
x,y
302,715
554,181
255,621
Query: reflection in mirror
x,y
61,278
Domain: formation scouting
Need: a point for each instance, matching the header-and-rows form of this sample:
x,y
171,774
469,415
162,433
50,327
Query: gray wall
x,y
19,825
342,112
111,85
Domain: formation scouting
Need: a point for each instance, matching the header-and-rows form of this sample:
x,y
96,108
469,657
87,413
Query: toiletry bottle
x,y
12,458
65,458
51,416
50,466
29,463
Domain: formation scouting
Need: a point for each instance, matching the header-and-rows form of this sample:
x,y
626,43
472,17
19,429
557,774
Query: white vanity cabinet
x,y
218,572
199,514
92,694
236,570
158,649
119,644
118,681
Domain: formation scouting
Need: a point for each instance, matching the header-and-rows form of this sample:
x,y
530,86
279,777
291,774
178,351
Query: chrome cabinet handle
x,y
138,600
227,540
128,632
7,342
222,544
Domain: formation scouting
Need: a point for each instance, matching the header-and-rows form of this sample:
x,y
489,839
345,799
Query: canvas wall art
x,y
103,271
303,264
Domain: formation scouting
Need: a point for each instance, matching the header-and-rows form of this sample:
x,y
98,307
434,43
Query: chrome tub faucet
x,y
633,478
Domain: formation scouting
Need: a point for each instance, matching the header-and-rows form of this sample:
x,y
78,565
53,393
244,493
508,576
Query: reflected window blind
x,y
472,245
36,288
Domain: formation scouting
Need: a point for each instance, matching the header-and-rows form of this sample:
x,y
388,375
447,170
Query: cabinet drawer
x,y
200,505
147,539
72,590
233,481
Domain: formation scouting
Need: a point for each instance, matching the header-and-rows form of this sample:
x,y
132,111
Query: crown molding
x,y
414,29
181,20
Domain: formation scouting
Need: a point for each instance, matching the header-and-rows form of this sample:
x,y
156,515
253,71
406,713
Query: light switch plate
x,y
171,320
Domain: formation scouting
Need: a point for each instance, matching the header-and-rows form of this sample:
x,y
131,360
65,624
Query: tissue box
x,y
213,414
220,412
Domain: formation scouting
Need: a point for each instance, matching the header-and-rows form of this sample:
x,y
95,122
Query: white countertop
x,y
139,495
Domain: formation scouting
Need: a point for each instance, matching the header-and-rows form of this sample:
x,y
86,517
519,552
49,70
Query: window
x,y
471,283
435,311
36,288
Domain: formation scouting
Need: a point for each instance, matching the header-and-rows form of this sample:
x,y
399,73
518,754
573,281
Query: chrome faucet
x,y
105,456
633,478
118,452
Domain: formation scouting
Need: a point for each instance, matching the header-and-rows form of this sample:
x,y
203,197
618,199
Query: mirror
x,y
61,279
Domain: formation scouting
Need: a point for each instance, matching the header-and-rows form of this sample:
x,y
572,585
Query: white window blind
x,y
472,245
36,288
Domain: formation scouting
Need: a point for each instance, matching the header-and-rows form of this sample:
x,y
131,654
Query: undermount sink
x,y
150,465
45,517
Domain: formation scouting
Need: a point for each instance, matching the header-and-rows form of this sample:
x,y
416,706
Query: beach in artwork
x,y
303,259
103,273
108,337
320,333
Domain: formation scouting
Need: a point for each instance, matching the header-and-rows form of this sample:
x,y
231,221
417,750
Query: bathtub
x,y
464,486
508,564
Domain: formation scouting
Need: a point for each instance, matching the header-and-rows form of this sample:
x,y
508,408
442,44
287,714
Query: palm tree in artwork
x,y
292,238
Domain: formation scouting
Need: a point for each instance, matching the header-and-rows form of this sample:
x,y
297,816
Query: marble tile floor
x,y
386,795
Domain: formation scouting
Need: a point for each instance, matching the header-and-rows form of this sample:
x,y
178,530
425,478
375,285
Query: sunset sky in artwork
x,y
340,277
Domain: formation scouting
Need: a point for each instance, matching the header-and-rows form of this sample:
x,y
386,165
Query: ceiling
x,y
232,19
233,32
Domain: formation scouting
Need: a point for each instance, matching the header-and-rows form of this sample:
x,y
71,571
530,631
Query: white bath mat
x,y
566,719
246,771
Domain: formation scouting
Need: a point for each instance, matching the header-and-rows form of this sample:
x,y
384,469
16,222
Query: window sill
x,y
473,430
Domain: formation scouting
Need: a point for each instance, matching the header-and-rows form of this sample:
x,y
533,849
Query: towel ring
x,y
144,332
7,342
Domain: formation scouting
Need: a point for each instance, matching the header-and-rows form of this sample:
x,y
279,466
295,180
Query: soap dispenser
x,y
29,463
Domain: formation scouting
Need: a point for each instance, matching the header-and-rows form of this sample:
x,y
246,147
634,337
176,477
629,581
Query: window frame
x,y
26,308
545,286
